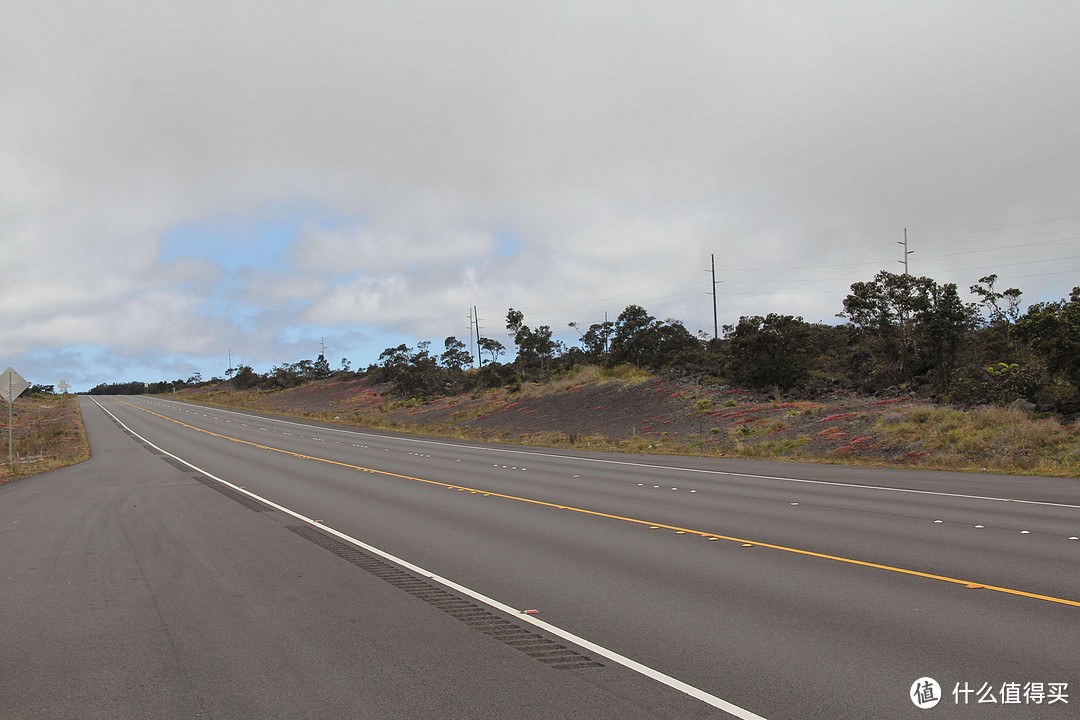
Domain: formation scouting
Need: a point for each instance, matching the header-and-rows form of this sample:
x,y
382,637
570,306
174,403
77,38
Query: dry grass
x,y
680,419
47,434
989,438
583,375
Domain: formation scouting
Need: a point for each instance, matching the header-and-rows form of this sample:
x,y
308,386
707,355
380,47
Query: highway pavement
x,y
210,563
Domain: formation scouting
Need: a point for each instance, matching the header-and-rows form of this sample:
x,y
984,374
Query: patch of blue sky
x,y
262,240
376,341
72,362
84,366
507,242
309,339
361,345
348,279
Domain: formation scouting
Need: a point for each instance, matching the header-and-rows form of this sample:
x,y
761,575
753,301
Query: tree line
x,y
900,334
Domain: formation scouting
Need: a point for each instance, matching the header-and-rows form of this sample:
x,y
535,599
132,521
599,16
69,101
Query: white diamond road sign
x,y
12,385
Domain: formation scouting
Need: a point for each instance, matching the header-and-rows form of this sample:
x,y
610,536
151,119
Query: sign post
x,y
12,385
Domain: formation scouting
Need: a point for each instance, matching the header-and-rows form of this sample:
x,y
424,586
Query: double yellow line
x,y
652,525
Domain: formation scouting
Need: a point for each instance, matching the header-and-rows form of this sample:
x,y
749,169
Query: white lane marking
x,y
882,488
581,642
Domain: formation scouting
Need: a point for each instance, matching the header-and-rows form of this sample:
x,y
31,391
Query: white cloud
x,y
619,145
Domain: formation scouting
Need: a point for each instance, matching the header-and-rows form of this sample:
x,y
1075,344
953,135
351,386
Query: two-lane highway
x,y
681,587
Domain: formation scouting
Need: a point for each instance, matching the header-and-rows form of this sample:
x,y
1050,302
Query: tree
x,y
992,301
595,340
494,347
1002,311
536,348
300,372
882,312
642,340
244,377
1053,331
943,324
321,368
456,355
770,351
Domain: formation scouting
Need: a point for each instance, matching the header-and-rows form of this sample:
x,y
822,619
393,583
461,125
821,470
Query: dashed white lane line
x,y
977,527
1021,532
655,487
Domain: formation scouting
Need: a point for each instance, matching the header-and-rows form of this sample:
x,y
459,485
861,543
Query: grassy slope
x,y
630,411
47,434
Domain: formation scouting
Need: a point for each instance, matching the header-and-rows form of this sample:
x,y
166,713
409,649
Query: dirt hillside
x,y
670,414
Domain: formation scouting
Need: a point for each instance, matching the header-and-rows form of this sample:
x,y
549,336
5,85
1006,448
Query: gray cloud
x,y
619,144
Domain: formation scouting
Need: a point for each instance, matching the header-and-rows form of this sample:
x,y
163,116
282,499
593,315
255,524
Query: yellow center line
x,y
653,525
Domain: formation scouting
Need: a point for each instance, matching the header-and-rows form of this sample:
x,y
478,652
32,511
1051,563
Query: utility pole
x,y
904,315
715,325
906,252
322,351
476,319
472,354
229,371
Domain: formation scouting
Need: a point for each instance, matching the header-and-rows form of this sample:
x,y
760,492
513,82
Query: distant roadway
x,y
210,563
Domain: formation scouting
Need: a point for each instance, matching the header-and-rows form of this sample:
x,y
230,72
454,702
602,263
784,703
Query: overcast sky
x,y
179,180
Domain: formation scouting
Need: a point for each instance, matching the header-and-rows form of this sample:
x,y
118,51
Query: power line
x,y
978,229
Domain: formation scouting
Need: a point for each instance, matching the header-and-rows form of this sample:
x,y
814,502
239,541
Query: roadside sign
x,y
12,385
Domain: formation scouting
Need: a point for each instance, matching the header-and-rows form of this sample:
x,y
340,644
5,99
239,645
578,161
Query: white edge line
x,y
592,647
702,471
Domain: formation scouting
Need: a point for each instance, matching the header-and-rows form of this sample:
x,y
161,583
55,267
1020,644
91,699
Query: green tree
x,y
642,340
245,377
415,372
882,312
536,348
770,351
492,347
943,325
998,342
1001,307
320,369
596,339
456,355
1053,331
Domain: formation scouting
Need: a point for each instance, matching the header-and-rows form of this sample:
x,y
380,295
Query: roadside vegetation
x,y
1002,439
47,434
901,334
912,375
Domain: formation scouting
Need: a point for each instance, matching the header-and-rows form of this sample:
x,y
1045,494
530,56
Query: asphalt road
x,y
372,575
